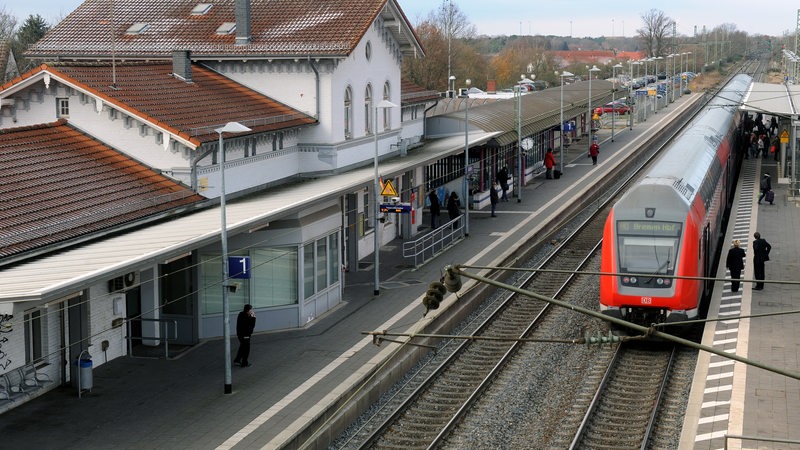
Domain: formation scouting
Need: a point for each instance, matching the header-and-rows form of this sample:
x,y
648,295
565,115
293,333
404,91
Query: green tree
x,y
33,29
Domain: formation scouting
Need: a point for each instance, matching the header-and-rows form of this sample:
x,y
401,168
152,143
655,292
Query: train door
x,y
706,260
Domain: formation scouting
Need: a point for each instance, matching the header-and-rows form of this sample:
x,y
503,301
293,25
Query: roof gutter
x,y
316,82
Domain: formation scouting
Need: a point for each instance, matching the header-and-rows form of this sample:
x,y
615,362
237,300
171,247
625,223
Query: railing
x,y
165,336
756,438
435,242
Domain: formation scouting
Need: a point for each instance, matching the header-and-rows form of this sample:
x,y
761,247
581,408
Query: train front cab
x,y
655,241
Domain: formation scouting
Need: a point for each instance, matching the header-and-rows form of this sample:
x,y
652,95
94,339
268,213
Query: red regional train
x,y
670,224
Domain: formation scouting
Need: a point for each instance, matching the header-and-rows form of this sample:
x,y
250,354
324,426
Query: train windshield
x,y
648,247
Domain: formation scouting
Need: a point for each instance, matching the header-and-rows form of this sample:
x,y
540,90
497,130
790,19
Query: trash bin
x,y
85,373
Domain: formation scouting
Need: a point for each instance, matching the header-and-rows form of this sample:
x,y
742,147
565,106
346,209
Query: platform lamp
x,y
561,118
631,97
230,127
613,96
593,69
465,96
377,289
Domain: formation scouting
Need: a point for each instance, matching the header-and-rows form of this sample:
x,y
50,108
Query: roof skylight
x,y
138,28
201,9
227,28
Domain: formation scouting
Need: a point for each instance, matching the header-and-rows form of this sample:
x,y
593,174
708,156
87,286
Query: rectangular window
x,y
62,107
33,337
211,280
333,245
367,216
322,263
274,276
308,270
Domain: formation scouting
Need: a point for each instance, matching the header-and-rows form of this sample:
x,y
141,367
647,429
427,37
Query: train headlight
x,y
634,280
660,281
667,282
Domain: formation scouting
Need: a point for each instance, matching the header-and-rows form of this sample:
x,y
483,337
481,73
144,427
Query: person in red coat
x,y
549,162
594,150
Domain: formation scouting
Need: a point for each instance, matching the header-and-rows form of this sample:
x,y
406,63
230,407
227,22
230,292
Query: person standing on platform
x,y
761,249
435,209
549,163
765,186
594,150
493,197
502,178
453,206
735,263
245,324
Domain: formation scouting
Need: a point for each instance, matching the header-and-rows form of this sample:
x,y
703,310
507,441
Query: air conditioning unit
x,y
123,282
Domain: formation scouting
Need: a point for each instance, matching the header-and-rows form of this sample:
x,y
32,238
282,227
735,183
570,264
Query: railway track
x,y
421,414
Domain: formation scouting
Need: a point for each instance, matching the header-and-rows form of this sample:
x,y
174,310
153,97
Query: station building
x,y
111,241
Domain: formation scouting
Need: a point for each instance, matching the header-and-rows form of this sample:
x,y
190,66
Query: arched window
x,y
368,109
348,113
387,112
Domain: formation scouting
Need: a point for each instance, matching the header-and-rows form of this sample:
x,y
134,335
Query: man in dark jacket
x,y
435,209
735,263
245,324
761,250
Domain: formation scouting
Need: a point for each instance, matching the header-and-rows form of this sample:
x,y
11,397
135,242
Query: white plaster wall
x,y
83,115
101,314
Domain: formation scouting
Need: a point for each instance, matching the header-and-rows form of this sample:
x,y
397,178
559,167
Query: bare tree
x,y
444,35
8,24
655,32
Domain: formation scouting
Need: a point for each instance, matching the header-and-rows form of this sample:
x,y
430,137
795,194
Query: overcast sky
x,y
561,17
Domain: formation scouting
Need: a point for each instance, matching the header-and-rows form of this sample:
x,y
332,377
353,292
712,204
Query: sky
x,y
577,18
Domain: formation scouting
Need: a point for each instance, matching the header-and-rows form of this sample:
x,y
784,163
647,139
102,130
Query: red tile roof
x,y
414,93
190,110
278,28
58,184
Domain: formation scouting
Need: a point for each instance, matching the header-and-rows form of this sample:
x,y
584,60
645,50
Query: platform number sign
x,y
239,267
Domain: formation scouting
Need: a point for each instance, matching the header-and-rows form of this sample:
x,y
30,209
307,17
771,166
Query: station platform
x,y
733,405
297,374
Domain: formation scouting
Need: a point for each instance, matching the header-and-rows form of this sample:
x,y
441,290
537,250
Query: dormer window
x,y
226,28
201,9
138,28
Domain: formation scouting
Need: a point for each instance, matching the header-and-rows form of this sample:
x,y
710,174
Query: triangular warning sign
x,y
388,189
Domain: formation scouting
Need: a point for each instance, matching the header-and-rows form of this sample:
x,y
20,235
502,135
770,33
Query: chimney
x,y
182,65
242,22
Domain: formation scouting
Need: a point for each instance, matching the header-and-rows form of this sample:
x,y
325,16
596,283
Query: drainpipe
x,y
195,161
425,116
316,81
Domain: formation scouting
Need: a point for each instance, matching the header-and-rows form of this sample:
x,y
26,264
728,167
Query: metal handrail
x,y
165,334
435,242
757,438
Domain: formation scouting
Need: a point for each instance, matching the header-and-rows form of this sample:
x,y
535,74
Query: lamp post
x,y
561,123
230,127
465,96
593,69
451,86
655,72
377,288
613,96
631,98
519,140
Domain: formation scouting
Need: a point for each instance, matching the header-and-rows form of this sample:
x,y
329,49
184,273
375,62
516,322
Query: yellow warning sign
x,y
388,189
784,137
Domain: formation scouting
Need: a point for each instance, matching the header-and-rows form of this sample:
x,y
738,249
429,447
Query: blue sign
x,y
398,208
568,126
239,267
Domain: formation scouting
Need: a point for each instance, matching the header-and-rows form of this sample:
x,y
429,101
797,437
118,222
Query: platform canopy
x,y
774,99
